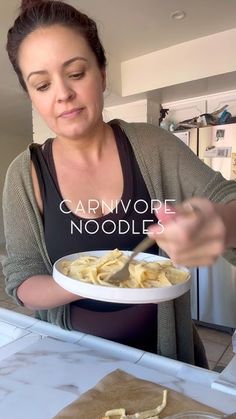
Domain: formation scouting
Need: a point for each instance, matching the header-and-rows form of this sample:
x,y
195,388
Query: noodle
x,y
97,270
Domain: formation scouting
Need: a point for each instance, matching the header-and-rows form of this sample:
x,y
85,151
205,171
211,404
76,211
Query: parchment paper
x,y
120,389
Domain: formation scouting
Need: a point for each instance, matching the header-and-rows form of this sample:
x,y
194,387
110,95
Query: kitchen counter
x,y
44,368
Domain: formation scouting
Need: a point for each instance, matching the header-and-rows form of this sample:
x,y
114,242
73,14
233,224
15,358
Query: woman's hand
x,y
194,236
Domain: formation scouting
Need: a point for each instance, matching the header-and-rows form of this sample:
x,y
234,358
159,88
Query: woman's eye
x,y
77,75
43,87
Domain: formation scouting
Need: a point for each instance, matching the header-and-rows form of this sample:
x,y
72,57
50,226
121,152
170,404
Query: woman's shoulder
x,y
17,178
19,172
147,135
137,127
23,160
20,162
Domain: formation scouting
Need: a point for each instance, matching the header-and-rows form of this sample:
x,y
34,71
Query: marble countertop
x,y
44,368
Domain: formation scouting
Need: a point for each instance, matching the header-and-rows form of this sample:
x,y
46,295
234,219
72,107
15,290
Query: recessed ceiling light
x,y
178,15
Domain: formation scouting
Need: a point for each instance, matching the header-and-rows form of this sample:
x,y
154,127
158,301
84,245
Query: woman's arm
x,y
41,292
228,214
26,254
197,238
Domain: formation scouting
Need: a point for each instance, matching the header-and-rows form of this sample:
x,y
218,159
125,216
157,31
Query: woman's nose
x,y
64,92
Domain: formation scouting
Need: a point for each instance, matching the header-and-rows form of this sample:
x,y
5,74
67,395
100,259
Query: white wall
x,y
203,57
131,112
40,130
204,87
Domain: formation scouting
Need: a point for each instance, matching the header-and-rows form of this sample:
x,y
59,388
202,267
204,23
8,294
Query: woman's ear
x,y
104,79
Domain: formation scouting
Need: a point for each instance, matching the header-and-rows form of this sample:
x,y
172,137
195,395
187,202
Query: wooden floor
x,y
218,347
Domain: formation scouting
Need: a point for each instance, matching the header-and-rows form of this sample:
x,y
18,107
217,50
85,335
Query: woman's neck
x,y
88,149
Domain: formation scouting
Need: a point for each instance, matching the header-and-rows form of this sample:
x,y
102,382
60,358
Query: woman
x,y
60,63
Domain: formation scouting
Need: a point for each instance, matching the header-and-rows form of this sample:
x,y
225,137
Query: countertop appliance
x,y
213,292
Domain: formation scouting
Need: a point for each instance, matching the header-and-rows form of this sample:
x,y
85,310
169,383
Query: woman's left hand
x,y
194,236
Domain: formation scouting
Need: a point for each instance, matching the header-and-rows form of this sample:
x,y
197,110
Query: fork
x,y
123,273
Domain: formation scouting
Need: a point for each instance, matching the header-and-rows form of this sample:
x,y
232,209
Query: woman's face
x,y
63,80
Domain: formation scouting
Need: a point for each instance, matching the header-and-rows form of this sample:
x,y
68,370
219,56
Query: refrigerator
x,y
213,292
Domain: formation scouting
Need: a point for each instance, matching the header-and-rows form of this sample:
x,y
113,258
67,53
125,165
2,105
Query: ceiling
x,y
128,28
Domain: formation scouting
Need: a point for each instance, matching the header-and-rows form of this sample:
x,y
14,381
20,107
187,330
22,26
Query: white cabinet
x,y
190,108
181,110
217,101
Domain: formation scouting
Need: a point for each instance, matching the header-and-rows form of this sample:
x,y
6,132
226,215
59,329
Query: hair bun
x,y
27,4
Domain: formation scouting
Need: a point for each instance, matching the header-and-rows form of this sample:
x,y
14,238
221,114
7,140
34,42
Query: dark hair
x,y
40,13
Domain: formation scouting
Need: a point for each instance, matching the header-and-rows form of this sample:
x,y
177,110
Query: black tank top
x,y
123,228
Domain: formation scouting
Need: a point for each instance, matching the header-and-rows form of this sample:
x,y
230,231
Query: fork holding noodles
x,y
143,274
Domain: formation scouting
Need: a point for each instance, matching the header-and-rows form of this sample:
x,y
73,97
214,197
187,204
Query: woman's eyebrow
x,y
68,62
65,64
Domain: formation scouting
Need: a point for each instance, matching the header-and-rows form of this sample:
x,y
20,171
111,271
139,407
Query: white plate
x,y
115,294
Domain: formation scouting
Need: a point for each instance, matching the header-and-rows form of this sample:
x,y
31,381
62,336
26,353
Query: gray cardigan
x,y
170,170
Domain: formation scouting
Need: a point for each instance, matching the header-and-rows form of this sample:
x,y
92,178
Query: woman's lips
x,y
71,113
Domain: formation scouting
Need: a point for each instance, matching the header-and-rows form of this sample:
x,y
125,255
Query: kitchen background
x,y
178,54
